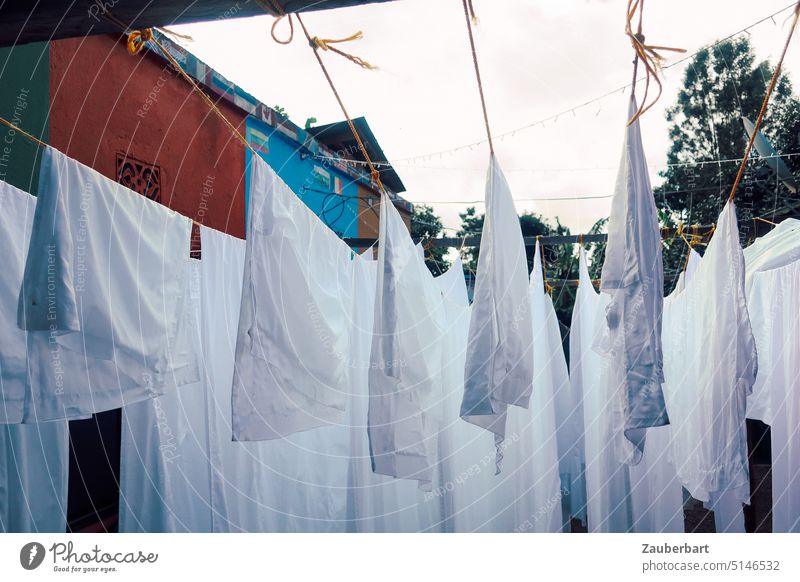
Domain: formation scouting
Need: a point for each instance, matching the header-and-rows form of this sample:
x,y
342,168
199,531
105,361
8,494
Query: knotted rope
x,y
649,55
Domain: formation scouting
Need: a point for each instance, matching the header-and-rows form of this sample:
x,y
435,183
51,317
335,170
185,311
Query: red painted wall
x,y
106,101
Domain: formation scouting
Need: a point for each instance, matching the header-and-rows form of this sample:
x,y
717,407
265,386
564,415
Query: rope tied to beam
x,y
315,41
325,44
374,173
137,40
649,54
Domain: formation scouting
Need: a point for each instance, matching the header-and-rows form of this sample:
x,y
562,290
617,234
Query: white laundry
x,y
375,502
777,248
710,367
16,217
34,458
181,471
474,499
405,372
656,490
531,458
34,475
607,479
774,306
293,341
102,295
499,360
568,404
633,277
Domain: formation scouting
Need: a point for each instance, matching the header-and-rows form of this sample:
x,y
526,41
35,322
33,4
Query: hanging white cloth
x,y
633,277
167,453
293,341
102,295
710,368
656,490
34,475
499,360
180,471
16,217
474,499
777,248
774,306
568,403
405,372
34,459
607,480
376,502
531,458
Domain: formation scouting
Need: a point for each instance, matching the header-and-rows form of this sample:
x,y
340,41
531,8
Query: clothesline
x,y
530,241
571,110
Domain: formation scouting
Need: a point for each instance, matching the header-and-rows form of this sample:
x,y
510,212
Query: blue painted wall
x,y
312,180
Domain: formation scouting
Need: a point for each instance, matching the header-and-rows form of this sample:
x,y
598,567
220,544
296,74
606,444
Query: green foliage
x,y
559,260
722,84
425,224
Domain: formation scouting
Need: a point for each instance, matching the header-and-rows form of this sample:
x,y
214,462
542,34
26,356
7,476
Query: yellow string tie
x,y
325,44
649,55
137,39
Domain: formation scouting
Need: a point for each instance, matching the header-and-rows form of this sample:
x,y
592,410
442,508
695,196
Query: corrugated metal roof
x,y
23,21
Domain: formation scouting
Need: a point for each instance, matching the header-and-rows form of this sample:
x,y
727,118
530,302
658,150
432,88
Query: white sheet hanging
x,y
375,502
531,459
634,279
710,368
291,354
34,475
568,404
34,459
472,496
607,480
777,248
16,217
405,372
500,348
774,306
101,295
180,469
656,490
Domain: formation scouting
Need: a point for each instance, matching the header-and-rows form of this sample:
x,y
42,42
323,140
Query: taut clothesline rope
x,y
315,46
648,54
763,110
136,42
469,11
323,43
22,132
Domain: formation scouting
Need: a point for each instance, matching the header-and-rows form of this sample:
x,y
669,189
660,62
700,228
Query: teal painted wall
x,y
25,102
313,181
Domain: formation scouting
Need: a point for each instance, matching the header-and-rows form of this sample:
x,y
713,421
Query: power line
x,y
572,110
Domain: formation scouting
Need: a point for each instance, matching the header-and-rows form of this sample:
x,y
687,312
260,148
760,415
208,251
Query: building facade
x,y
135,120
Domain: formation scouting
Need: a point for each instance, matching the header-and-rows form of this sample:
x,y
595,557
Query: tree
x,y
721,84
559,260
425,224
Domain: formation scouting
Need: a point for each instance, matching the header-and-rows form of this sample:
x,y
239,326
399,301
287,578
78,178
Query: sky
x,y
538,58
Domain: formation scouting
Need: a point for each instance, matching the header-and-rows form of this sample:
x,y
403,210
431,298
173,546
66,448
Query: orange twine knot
x,y
137,39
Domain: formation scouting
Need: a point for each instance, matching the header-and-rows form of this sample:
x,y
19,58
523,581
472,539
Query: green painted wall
x,y
25,102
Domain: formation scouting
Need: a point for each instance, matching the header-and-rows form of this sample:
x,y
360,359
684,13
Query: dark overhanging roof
x,y
23,21
339,138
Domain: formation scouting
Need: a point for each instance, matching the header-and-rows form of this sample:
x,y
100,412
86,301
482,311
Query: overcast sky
x,y
537,57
